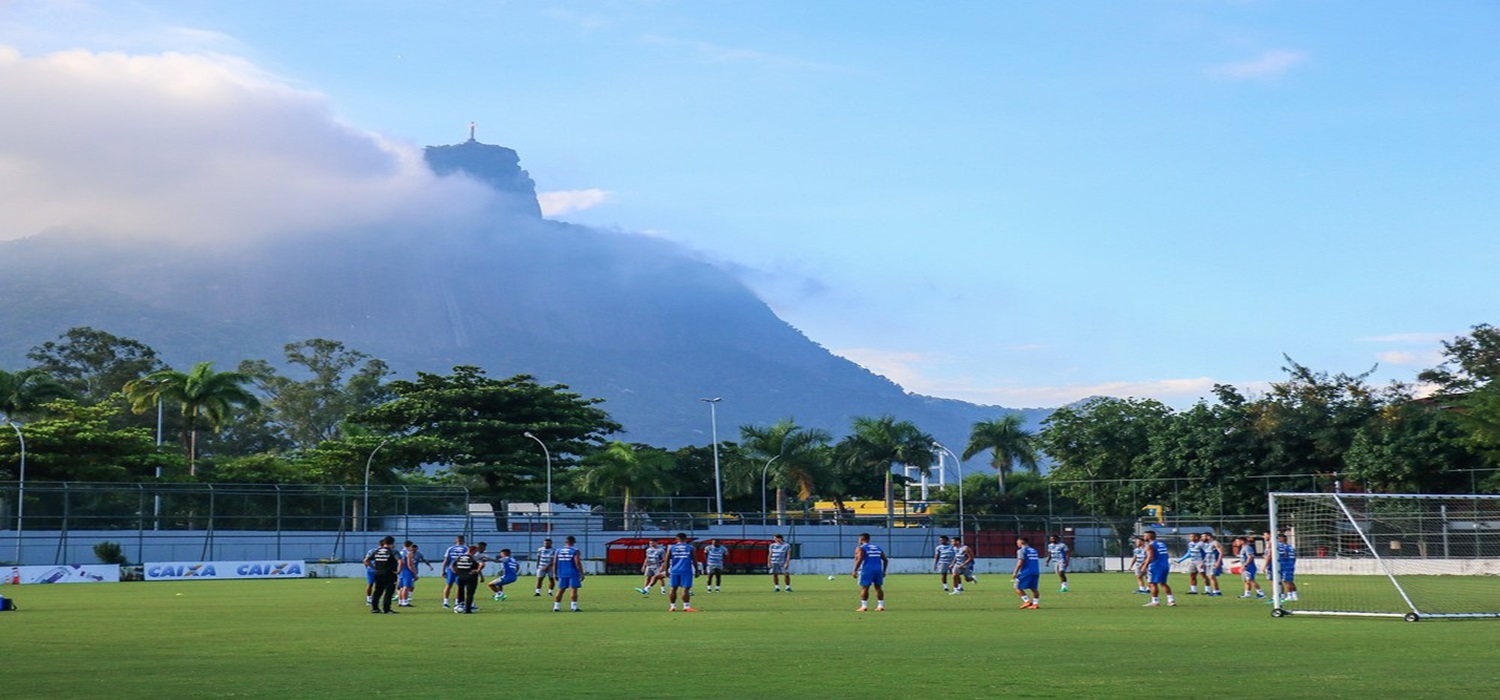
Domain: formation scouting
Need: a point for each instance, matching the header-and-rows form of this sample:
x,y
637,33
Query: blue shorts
x,y
872,578
1155,575
1216,570
566,581
370,576
1247,573
1289,577
680,580
406,579
1027,581
450,576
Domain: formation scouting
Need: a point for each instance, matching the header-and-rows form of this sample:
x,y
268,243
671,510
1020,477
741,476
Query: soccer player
x,y
510,570
942,560
1286,565
545,556
1194,557
466,568
713,565
370,575
568,562
963,565
679,569
384,561
1245,548
449,578
656,553
1158,567
780,559
1138,564
1027,573
1213,563
406,575
1058,557
870,564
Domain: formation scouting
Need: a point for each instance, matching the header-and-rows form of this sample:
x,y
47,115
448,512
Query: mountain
x,y
635,320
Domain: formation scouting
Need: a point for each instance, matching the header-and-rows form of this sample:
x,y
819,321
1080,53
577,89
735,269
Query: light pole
x,y
20,489
365,512
958,467
763,474
713,419
547,454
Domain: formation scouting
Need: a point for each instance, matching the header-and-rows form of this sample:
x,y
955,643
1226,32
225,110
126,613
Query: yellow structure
x,y
1156,512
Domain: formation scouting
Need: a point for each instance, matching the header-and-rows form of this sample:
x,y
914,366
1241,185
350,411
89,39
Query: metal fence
x,y
176,522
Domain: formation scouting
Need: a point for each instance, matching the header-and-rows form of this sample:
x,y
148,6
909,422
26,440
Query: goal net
x,y
1397,555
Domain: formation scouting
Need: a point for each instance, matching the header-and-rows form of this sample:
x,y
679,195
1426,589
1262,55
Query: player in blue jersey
x,y
963,565
415,559
942,560
510,570
1138,564
1059,557
406,576
568,562
450,579
870,564
656,553
1244,547
779,559
370,575
713,565
545,556
1027,574
1158,567
679,568
1285,556
1213,563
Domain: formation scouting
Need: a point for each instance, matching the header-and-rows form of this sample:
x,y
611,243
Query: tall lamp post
x,y
20,490
763,473
713,419
958,466
365,513
547,454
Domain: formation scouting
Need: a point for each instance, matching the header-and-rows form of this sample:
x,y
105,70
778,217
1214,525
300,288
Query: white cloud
x,y
909,369
1269,64
564,201
201,148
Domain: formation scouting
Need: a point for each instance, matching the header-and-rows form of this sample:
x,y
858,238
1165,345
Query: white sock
x,y
1154,600
879,603
1171,598
1025,598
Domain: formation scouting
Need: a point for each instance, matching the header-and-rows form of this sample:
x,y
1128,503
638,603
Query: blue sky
x,y
1022,203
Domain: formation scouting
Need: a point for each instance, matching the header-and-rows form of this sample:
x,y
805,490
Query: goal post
x,y
1414,556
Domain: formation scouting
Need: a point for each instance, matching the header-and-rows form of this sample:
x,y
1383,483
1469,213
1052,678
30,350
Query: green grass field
x,y
315,638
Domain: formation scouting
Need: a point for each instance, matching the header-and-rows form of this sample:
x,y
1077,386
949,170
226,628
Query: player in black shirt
x,y
468,568
384,560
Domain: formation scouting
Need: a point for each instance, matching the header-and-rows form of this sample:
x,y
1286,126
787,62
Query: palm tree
x,y
23,393
879,444
206,396
798,454
623,469
1009,444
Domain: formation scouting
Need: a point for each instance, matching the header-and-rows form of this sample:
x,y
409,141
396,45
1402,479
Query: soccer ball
x,y
832,577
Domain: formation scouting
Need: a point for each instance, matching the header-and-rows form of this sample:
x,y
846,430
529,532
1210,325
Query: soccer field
x,y
315,638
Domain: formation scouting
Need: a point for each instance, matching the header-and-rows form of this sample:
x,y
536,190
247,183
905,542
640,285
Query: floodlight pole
x,y
20,489
713,419
365,513
547,454
958,466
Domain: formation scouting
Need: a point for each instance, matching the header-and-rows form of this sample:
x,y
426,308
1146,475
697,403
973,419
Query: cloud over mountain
x,y
196,148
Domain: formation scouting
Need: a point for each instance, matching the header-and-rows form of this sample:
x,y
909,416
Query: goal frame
x,y
1415,612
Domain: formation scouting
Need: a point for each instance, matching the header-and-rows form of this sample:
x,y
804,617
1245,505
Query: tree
x,y
1100,446
23,394
476,426
342,382
94,364
1466,386
790,456
624,470
77,442
1411,447
205,396
1009,444
876,445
